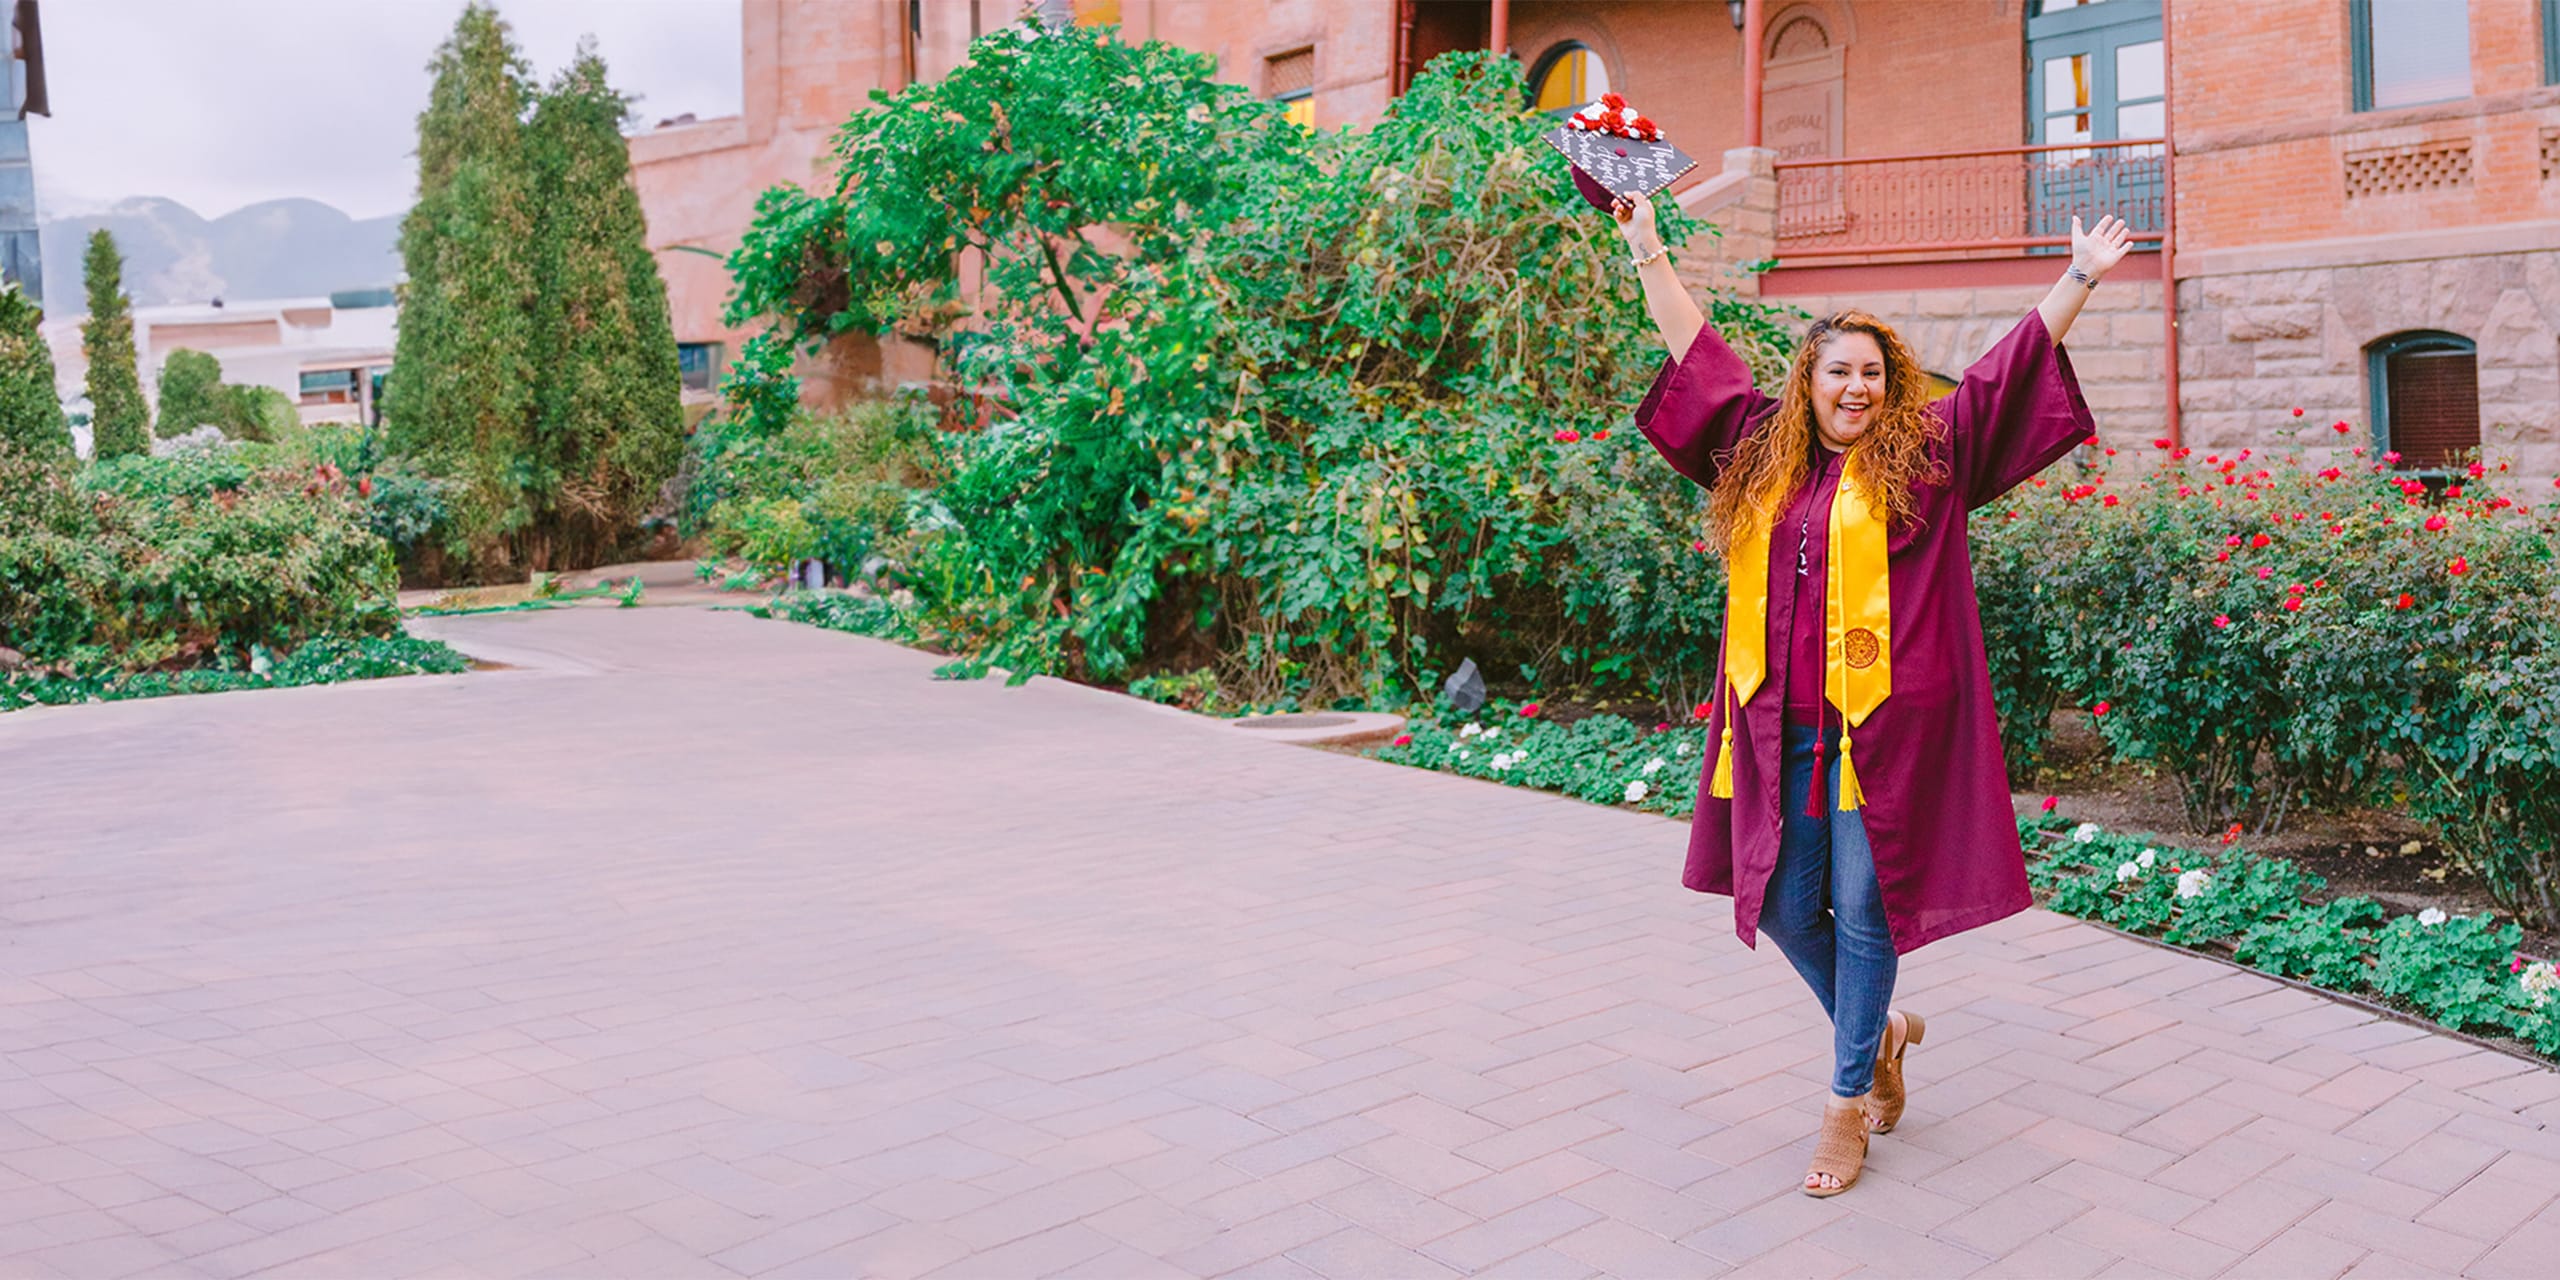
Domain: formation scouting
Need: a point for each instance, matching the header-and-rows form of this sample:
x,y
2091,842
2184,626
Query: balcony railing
x,y
2006,200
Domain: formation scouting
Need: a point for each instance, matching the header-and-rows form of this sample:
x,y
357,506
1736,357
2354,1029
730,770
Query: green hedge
x,y
165,564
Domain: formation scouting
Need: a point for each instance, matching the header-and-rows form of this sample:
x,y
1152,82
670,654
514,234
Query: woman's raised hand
x,y
2097,250
1635,222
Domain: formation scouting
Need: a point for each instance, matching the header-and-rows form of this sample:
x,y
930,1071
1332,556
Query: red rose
x,y
1601,434
2111,500
1402,739
2453,491
2478,471
1529,708
2259,539
2436,524
2161,443
2222,621
1702,710
2459,567
2098,710
364,487
1613,102
2050,802
2091,440
2405,600
2340,428
2297,411
1700,546
2392,456
1645,125
2294,604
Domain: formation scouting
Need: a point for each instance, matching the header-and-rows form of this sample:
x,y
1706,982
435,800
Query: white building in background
x,y
329,359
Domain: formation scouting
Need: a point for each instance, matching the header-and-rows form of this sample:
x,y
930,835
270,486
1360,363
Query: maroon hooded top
x,y
1937,806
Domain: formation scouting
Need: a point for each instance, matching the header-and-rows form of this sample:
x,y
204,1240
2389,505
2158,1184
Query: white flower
x,y
2431,917
2085,832
1637,791
2540,981
1680,749
2192,883
1654,766
1471,731
2148,858
1502,762
1462,753
2127,871
1491,734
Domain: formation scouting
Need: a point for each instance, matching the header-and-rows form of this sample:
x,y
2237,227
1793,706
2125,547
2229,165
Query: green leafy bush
x,y
190,383
2278,632
839,487
1326,409
169,563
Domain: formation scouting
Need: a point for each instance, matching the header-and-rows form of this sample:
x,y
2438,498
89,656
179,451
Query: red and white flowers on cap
x,y
1611,115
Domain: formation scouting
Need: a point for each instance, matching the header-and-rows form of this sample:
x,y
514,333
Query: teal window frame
x,y
2551,41
2360,44
2377,381
316,382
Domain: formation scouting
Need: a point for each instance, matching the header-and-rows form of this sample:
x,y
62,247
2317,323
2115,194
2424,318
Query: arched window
x,y
1566,77
2424,389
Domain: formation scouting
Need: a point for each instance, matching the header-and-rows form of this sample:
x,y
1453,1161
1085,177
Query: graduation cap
x,y
1614,152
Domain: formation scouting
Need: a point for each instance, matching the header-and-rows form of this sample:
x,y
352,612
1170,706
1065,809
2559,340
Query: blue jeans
x,y
1826,912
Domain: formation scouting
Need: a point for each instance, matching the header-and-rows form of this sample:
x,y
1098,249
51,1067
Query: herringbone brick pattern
x,y
699,945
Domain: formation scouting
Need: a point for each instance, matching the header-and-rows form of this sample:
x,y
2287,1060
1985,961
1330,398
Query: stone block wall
x,y
2255,344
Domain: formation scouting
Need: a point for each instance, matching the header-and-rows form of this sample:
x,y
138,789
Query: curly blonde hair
x,y
1889,460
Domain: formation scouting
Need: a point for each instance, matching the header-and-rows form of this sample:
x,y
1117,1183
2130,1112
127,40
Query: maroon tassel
x,y
1813,796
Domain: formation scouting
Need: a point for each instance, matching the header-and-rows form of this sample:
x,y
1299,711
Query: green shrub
x,y
837,487
1337,408
190,393
31,418
256,412
168,566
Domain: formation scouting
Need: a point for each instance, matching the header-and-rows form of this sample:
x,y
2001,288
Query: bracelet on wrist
x,y
1653,257
2086,281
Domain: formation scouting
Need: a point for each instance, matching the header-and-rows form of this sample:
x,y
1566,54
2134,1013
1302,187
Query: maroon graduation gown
x,y
1937,805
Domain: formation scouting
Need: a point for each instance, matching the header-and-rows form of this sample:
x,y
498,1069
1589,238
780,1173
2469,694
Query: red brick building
x,y
2359,200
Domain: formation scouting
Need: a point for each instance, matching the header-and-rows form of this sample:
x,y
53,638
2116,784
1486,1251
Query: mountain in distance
x,y
292,248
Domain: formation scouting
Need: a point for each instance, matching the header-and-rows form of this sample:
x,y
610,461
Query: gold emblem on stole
x,y
1859,647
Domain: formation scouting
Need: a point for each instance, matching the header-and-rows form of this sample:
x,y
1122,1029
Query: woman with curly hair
x,y
1857,806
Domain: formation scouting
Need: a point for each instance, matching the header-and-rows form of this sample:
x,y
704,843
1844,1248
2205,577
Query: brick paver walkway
x,y
701,945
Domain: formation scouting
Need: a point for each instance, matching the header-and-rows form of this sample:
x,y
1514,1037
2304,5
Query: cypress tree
x,y
30,414
119,421
460,392
190,382
608,418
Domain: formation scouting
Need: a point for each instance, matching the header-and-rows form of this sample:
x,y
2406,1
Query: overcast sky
x,y
224,103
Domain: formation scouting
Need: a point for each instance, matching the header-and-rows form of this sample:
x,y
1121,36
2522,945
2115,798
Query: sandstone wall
x,y
2254,344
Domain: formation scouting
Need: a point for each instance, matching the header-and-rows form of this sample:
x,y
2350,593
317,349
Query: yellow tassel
x,y
1850,796
1721,785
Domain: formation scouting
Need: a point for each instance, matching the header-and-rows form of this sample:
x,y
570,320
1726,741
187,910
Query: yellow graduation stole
x,y
1857,598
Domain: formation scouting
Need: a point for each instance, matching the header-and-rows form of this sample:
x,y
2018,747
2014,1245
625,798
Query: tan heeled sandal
x,y
1840,1148
1884,1103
